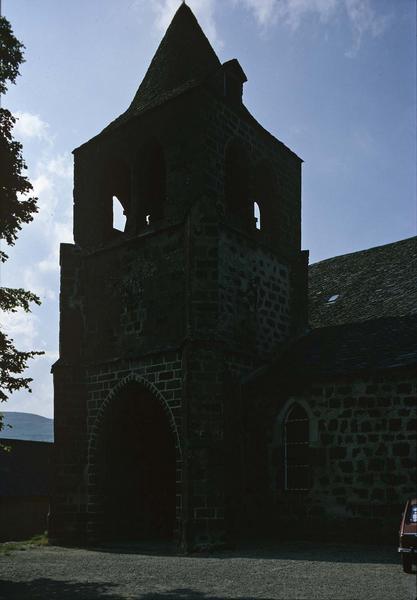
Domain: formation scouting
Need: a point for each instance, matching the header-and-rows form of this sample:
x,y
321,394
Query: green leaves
x,y
15,210
12,299
11,55
12,364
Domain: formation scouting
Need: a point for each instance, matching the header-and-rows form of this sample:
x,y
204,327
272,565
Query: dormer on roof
x,y
233,79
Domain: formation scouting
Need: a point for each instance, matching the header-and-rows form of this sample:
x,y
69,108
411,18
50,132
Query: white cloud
x,y
43,189
36,266
21,327
31,279
362,17
31,126
164,10
40,401
290,12
61,165
52,185
364,20
60,232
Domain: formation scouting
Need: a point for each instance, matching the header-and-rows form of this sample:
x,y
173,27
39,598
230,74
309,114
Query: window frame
x,y
287,466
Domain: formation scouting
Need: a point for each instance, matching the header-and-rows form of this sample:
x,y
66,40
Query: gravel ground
x,y
286,572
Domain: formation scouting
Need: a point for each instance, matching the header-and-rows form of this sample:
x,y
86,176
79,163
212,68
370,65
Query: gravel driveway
x,y
286,572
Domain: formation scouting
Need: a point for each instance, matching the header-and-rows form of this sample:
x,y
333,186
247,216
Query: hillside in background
x,y
26,426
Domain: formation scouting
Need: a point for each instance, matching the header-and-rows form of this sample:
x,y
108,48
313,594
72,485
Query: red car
x,y
408,536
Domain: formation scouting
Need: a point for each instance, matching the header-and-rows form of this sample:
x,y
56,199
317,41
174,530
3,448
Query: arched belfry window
x,y
236,182
296,449
266,206
257,215
116,193
153,193
119,215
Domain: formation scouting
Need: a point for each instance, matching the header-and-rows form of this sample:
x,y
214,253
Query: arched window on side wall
x,y
153,185
296,449
236,182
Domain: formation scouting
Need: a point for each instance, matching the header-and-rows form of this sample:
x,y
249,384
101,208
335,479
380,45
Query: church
x,y
211,386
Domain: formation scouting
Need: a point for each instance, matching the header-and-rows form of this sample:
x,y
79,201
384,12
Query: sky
x,y
332,79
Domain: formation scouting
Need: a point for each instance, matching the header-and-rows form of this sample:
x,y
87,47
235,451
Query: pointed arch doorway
x,y
135,468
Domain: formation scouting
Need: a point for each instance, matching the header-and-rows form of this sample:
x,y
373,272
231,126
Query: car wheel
x,y
407,564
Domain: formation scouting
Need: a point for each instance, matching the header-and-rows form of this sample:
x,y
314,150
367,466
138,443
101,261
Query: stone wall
x,y
369,430
131,292
363,432
186,306
162,376
224,123
254,295
214,441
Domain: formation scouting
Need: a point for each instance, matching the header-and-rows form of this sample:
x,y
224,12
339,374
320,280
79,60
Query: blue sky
x,y
333,79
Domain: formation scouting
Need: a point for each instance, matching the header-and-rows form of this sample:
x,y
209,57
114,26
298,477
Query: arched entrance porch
x,y
133,460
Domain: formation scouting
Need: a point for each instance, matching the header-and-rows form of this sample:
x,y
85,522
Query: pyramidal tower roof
x,y
183,58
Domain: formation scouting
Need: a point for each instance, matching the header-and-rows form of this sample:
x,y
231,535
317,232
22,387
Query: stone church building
x,y
211,385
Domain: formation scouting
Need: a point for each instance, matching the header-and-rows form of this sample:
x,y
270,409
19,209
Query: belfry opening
x,y
164,317
136,469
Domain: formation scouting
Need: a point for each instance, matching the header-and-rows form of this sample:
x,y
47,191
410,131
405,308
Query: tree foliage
x,y
16,208
11,55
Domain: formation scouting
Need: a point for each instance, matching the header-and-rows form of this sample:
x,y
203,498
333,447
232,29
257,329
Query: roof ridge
x,y
365,250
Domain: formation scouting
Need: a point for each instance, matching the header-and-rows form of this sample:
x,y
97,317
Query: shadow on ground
x,y
187,594
143,548
42,589
305,551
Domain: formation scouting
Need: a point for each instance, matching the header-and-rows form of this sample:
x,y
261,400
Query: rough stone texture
x,y
374,283
182,304
361,456
192,324
254,295
354,373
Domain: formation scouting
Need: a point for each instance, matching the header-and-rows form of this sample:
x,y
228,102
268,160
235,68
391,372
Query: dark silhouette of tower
x,y
160,321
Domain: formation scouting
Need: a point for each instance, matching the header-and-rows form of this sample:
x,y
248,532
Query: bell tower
x,y
162,317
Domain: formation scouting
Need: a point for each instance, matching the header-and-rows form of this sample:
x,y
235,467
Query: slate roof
x,y
372,345
372,325
374,283
183,60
